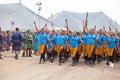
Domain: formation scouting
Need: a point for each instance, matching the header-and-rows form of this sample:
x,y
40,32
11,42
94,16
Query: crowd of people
x,y
91,45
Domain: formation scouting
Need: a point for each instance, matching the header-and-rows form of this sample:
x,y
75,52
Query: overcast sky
x,y
109,7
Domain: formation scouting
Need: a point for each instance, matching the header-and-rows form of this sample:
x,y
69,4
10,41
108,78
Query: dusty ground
x,y
28,69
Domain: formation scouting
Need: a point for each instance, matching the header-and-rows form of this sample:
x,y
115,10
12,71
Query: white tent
x,y
75,20
17,15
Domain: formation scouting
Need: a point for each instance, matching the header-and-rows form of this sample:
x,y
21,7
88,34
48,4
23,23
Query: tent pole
x,y
20,1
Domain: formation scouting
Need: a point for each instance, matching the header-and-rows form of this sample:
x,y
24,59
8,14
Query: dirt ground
x,y
27,68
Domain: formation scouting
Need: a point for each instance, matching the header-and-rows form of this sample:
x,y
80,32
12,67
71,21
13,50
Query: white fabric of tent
x,y
17,15
75,20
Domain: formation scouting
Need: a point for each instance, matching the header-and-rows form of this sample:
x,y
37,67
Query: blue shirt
x,y
47,35
74,41
100,40
91,38
60,39
66,37
51,43
36,38
85,38
42,38
112,42
119,42
55,37
106,38
17,37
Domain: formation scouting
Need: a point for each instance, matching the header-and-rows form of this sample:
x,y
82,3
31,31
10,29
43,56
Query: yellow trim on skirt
x,y
105,47
79,50
90,48
55,47
73,51
41,48
97,51
59,48
67,48
110,51
102,50
84,49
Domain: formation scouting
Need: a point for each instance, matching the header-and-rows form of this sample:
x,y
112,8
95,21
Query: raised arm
x,y
83,25
45,26
52,25
35,26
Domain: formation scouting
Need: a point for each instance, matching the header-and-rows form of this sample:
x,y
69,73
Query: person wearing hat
x,y
16,42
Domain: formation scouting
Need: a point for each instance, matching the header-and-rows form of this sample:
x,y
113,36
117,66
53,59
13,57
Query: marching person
x,y
60,40
42,45
74,43
91,37
80,50
42,42
112,41
50,47
16,42
66,47
99,51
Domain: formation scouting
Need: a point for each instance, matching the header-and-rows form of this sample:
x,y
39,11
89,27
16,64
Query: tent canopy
x,y
17,15
75,20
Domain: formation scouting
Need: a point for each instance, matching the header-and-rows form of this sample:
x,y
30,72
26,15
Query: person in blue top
x,y
99,51
35,44
90,42
50,47
84,46
80,49
66,47
59,41
42,45
112,41
42,42
74,43
16,42
119,42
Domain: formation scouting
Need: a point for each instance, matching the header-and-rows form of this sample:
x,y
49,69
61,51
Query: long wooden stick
x,y
86,22
67,24
86,19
